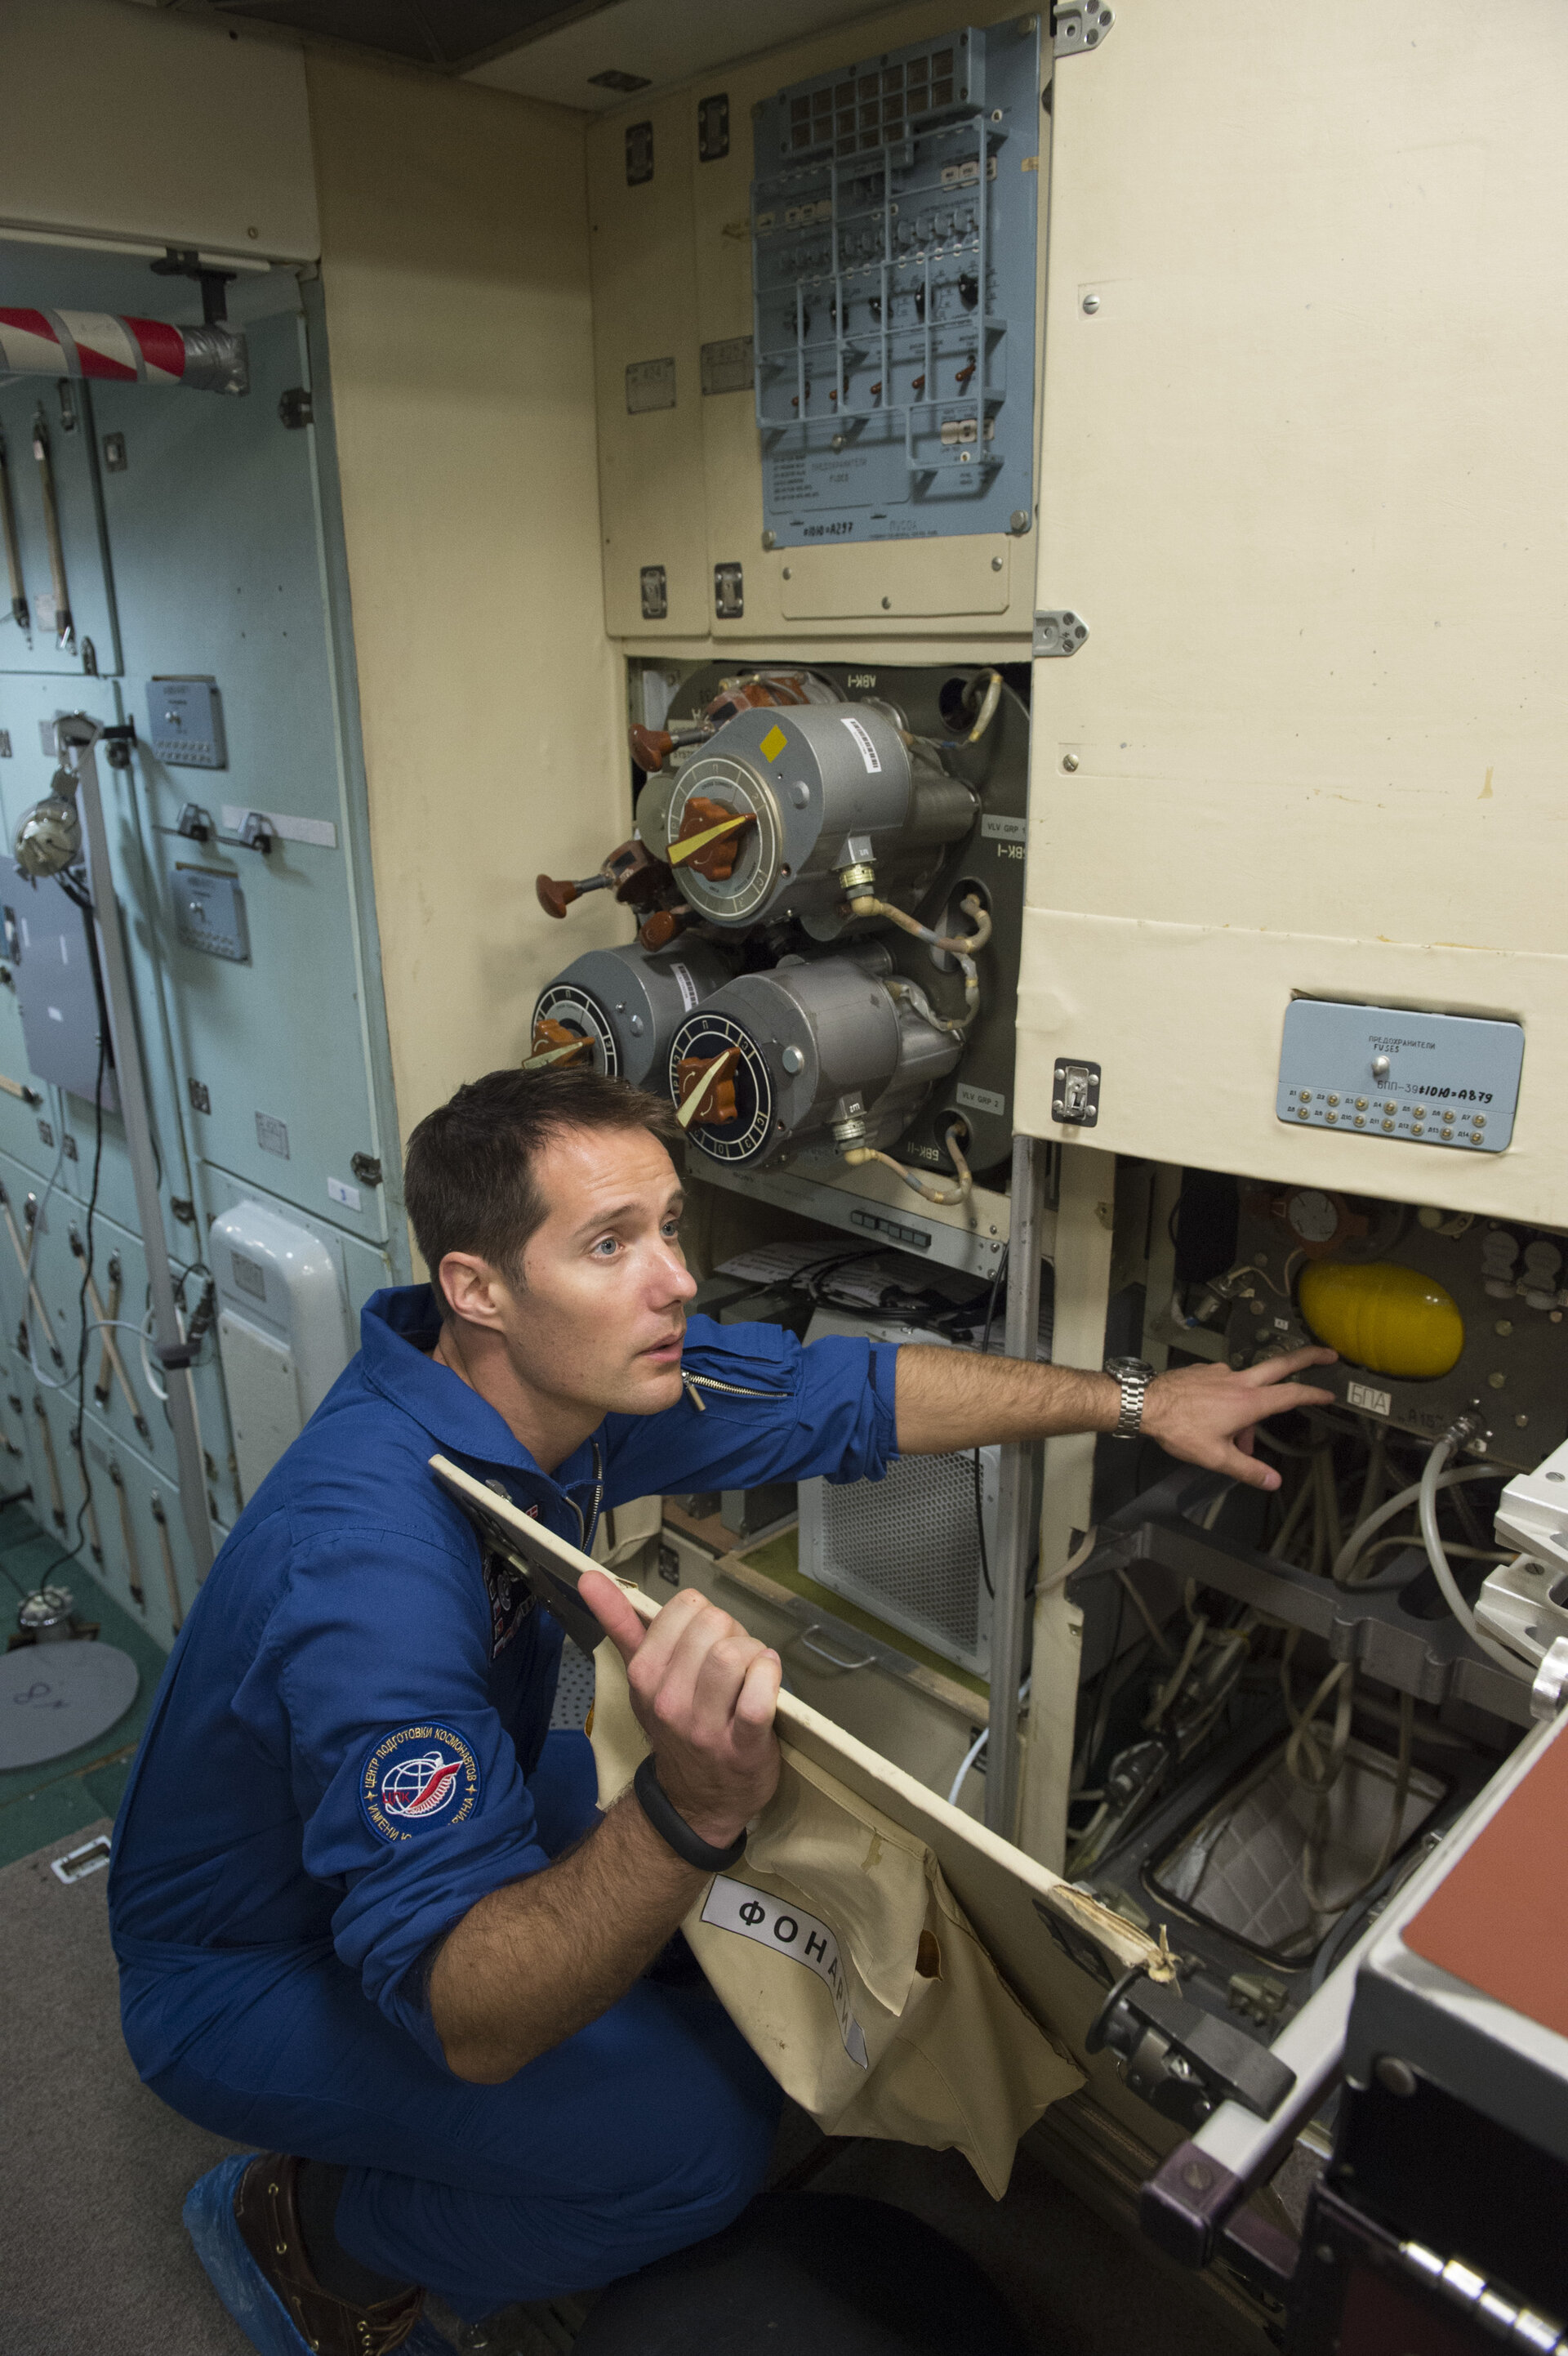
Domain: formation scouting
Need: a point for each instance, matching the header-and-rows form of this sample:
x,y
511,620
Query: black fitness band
x,y
673,1829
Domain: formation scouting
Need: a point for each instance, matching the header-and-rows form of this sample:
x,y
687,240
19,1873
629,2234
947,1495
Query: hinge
x,y
1058,634
1076,28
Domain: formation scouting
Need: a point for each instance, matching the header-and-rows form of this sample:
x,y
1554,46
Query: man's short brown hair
x,y
469,1180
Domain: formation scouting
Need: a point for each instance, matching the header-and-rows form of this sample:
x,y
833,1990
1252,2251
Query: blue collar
x,y
399,1328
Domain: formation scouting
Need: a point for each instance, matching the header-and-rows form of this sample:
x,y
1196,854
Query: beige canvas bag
x,y
842,1956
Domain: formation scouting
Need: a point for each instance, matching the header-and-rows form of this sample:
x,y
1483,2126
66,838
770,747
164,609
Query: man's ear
x,y
471,1287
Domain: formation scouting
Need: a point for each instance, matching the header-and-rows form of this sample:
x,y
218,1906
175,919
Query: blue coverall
x,y
346,1754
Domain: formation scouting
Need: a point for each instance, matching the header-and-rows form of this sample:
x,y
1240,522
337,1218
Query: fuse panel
x,y
893,240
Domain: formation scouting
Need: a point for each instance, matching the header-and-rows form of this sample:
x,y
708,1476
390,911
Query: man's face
x,y
600,1318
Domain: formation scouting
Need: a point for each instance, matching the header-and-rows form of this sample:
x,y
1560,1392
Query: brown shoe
x,y
267,2213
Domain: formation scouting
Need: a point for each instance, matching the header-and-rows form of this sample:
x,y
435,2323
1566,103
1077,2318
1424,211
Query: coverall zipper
x,y
731,1390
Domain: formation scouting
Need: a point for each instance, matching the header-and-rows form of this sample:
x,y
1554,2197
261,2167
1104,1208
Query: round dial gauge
x,y
1313,1216
574,1010
744,1137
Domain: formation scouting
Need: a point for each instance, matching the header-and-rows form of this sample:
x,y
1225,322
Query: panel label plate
x,y
1381,1071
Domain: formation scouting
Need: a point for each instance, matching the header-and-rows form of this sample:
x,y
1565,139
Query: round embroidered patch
x,y
421,1775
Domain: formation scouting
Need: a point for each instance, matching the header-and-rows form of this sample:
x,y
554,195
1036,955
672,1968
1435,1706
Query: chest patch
x,y
418,1777
511,1600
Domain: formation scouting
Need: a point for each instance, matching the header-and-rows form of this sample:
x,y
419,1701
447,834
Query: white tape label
x,y
689,993
869,753
736,1906
1373,1402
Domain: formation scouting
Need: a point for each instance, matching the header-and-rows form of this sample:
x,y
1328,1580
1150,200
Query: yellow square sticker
x,y
774,742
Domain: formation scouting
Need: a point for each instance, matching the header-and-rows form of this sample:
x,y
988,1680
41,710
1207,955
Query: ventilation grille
x,y
906,1548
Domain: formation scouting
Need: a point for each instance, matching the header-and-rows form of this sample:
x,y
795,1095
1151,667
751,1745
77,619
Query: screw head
x,y
769,540
1070,761
886,605
1197,2176
1395,2076
787,573
1091,304
1018,520
995,564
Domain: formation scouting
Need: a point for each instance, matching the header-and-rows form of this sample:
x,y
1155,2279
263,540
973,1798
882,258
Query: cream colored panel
x,y
925,579
1186,1021
895,576
455,277
126,122
1304,477
650,461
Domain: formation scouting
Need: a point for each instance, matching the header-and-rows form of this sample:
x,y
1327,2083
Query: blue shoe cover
x,y
214,2230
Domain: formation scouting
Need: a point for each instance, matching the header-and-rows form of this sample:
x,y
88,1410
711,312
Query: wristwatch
x,y
1134,1376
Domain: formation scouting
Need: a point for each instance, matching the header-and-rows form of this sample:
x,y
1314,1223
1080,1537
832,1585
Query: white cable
x,y
1441,1450
980,1744
969,1758
1345,1560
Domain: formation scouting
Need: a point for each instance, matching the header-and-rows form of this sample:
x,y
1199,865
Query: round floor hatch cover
x,y
55,1698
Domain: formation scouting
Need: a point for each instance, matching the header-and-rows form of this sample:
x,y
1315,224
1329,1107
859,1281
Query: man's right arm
x,y
535,1961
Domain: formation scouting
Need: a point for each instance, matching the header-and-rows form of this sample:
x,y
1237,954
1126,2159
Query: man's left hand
x,y
1206,1414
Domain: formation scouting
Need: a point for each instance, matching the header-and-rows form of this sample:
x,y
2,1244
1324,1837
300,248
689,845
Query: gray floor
x,y
93,2171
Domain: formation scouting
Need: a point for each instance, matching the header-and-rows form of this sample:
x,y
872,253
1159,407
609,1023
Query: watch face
x,y
1128,1367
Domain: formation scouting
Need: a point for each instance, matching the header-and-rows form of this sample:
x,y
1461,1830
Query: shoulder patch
x,y
418,1777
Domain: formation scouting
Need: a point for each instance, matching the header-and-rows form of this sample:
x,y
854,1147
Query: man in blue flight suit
x,y
365,1917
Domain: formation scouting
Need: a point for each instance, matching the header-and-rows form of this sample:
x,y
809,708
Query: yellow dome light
x,y
1389,1319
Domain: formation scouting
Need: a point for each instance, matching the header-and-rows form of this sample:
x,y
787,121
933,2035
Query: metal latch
x,y
1180,2060
1058,634
1078,27
729,592
1075,1093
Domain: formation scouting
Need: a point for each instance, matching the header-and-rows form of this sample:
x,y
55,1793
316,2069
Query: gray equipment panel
x,y
47,937
1381,1071
185,724
893,263
209,913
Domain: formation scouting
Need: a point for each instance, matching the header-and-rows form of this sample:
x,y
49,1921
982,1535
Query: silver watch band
x,y
1134,1376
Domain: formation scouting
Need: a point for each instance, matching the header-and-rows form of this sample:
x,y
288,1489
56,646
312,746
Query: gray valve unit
x,y
826,883
630,1004
807,1050
781,807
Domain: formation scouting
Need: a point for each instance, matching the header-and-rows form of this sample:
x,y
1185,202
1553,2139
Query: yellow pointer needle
x,y
718,1069
555,1055
690,843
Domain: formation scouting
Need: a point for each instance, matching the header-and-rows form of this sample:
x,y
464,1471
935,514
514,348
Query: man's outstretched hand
x,y
704,1692
1206,1414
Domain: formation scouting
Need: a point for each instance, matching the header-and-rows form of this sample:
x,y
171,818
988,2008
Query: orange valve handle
x,y
707,1090
687,846
554,1045
555,898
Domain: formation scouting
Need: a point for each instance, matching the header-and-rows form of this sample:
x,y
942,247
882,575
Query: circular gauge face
x,y
1313,1216
574,1010
728,785
701,1037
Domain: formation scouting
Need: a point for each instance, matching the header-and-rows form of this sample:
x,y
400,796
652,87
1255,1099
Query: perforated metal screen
x,y
907,1549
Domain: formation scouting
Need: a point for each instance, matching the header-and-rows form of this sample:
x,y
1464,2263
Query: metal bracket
x,y
729,592
195,825
1058,634
1076,28
1075,1093
1181,2059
